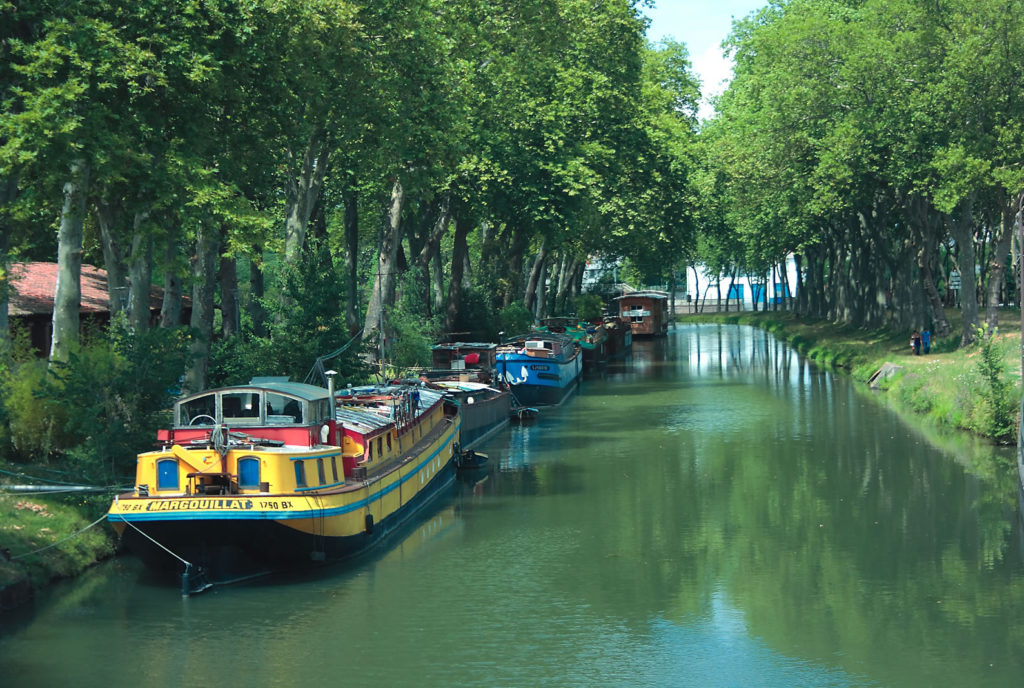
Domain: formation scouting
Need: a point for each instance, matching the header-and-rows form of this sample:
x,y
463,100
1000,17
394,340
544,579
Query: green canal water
x,y
713,511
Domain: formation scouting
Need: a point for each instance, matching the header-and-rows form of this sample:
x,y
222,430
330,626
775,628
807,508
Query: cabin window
x,y
389,441
334,468
167,474
300,473
249,472
240,408
282,410
380,447
320,471
369,450
201,411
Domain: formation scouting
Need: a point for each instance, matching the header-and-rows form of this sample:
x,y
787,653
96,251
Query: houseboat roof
x,y
649,294
458,346
360,413
540,335
281,385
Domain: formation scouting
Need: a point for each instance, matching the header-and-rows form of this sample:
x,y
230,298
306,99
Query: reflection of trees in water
x,y
740,472
850,533
827,522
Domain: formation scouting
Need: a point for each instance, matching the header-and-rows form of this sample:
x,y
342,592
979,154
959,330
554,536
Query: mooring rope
x,y
43,549
186,563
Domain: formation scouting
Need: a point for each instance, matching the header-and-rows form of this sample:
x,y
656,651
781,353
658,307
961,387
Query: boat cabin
x,y
463,355
645,311
222,440
284,411
541,345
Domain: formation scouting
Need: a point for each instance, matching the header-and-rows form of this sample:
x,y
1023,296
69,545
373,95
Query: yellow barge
x,y
279,475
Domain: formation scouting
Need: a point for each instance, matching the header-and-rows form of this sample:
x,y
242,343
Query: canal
x,y
713,511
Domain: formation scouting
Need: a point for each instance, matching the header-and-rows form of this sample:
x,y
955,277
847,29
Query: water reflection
x,y
713,511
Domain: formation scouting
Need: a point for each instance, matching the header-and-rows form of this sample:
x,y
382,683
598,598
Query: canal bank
x,y
44,539
959,389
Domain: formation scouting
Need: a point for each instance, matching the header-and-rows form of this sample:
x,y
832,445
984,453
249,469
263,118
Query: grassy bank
x,y
43,539
970,389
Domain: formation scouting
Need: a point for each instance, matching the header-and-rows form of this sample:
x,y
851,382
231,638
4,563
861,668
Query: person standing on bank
x,y
926,341
915,342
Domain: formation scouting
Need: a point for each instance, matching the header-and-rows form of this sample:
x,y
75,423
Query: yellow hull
x,y
234,535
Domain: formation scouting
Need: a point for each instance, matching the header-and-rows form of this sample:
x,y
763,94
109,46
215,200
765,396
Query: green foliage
x,y
589,306
999,404
118,393
306,322
476,320
413,338
99,409
515,318
36,422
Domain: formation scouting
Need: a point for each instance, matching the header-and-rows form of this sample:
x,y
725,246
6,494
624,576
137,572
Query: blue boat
x,y
541,368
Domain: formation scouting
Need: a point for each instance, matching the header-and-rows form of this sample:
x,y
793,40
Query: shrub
x,y
37,424
515,318
999,406
98,409
413,338
589,306
305,323
476,319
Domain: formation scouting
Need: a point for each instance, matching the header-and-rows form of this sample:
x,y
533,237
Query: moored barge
x,y
279,475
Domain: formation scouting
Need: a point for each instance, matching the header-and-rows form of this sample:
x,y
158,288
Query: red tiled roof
x,y
33,286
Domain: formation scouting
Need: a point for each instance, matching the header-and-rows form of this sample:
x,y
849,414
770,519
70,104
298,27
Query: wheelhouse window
x,y
320,471
321,410
201,411
282,410
167,474
241,408
300,473
248,472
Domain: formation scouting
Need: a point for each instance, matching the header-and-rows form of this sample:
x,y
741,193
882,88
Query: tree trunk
x,y
455,283
576,283
254,304
8,192
204,286
108,217
170,308
929,224
530,296
962,229
672,294
141,273
565,275
997,262
429,255
67,299
302,190
697,304
517,246
542,296
383,293
229,309
350,198
800,300
437,283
